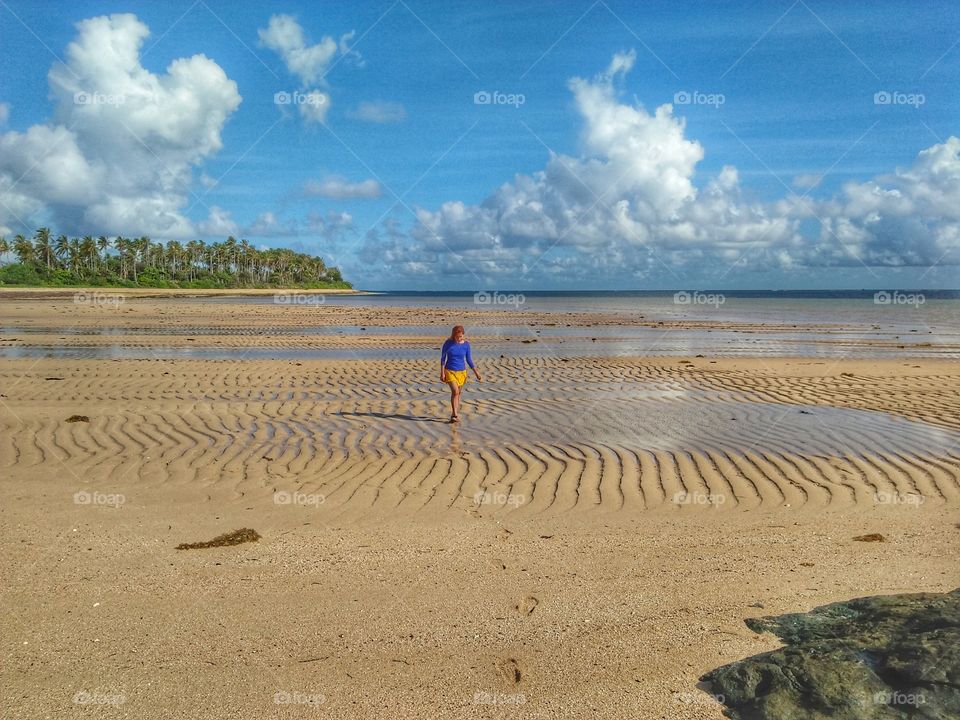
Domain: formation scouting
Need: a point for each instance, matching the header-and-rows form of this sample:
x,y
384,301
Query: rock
x,y
873,658
872,537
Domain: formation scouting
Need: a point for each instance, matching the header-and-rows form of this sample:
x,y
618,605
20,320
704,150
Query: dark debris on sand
x,y
244,535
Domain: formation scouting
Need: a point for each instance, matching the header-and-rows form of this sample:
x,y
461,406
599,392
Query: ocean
x,y
832,324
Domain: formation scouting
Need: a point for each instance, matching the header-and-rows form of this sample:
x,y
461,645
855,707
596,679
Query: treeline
x,y
45,260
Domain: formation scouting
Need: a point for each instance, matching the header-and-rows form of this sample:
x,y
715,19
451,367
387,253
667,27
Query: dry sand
x,y
586,544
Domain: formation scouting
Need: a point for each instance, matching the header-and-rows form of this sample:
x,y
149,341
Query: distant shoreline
x,y
64,292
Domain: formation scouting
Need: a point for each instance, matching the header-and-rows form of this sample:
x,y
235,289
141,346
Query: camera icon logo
x,y
482,97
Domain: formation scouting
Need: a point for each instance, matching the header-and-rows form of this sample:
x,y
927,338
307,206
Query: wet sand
x,y
585,544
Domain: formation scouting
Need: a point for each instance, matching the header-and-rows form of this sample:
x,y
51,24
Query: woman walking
x,y
454,359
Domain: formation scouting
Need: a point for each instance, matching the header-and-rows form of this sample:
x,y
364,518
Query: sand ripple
x,y
540,436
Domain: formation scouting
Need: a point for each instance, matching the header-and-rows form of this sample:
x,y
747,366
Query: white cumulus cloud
x,y
284,36
627,206
381,112
118,155
340,188
309,63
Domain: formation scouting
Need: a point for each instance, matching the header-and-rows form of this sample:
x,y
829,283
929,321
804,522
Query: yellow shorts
x,y
455,376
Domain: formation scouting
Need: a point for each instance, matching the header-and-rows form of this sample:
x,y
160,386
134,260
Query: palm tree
x,y
194,253
4,247
60,248
139,251
73,255
174,256
123,252
44,246
230,252
246,254
88,252
103,244
23,249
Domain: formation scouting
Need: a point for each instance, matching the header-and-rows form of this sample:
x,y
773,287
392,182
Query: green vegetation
x,y
45,261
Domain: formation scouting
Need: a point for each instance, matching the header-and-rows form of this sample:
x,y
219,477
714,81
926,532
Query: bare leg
x,y
454,400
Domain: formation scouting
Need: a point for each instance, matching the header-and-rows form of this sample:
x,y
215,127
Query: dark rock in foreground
x,y
884,657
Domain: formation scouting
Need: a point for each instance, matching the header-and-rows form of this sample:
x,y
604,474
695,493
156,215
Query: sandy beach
x,y
705,256
587,543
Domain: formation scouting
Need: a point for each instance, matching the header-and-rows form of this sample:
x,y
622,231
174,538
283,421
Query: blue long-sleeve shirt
x,y
456,356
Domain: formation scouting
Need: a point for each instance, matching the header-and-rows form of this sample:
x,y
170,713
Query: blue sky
x,y
406,182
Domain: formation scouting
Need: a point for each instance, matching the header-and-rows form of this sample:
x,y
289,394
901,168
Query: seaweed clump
x,y
237,537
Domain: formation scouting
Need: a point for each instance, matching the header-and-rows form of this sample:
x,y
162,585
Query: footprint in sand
x,y
509,671
497,564
526,606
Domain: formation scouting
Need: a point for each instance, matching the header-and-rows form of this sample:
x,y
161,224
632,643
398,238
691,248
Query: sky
x,y
500,145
